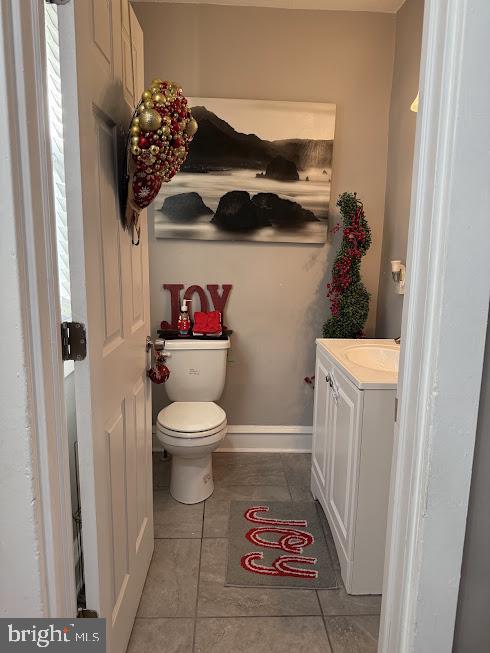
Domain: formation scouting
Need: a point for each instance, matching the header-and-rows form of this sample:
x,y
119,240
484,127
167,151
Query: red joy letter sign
x,y
218,300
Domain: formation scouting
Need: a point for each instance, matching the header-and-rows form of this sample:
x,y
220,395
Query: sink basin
x,y
370,363
374,357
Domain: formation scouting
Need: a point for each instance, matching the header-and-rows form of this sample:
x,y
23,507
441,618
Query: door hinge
x,y
73,341
57,2
396,409
85,613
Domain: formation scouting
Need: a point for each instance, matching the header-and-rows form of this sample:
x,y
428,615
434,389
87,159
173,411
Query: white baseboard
x,y
266,439
293,439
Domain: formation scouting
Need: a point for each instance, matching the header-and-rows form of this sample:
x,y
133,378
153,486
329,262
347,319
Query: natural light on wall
x,y
58,161
415,104
57,155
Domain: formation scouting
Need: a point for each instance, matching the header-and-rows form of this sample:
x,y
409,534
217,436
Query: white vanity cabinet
x,y
351,458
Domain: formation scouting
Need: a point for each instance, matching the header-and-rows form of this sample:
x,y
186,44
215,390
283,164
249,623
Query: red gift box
x,y
207,323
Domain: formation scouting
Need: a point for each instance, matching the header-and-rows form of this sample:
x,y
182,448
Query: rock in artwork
x,y
256,170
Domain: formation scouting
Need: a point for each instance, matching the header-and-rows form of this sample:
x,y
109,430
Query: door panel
x,y
142,479
116,442
137,287
111,295
102,29
110,246
127,60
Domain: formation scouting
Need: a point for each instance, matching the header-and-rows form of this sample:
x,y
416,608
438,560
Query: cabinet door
x,y
343,429
320,443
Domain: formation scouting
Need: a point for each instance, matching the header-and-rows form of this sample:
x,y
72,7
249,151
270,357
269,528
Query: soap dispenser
x,y
184,323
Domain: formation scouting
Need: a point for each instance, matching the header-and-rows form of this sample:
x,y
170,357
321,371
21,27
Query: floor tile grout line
x,y
178,538
321,515
323,621
262,616
329,640
319,602
198,579
351,614
248,484
286,477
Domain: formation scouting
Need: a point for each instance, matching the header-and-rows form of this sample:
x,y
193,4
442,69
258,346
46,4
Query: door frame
x,y
443,333
439,314
22,75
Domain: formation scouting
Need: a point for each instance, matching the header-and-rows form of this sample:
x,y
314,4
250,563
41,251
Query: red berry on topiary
x,y
349,299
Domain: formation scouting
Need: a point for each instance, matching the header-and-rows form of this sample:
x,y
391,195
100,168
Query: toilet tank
x,y
197,369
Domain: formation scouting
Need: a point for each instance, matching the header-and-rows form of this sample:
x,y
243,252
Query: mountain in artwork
x,y
218,146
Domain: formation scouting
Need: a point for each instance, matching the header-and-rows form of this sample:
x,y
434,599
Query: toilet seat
x,y
191,420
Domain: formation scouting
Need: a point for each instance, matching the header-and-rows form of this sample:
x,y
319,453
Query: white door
x,y
100,40
343,433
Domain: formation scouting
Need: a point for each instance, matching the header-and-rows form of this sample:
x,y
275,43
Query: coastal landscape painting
x,y
256,170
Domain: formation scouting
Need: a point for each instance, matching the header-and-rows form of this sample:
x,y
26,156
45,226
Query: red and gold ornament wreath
x,y
161,130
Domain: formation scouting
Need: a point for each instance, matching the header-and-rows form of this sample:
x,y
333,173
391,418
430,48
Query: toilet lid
x,y
188,417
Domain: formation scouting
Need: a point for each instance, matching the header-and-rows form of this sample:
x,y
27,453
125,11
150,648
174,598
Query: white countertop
x,y
364,377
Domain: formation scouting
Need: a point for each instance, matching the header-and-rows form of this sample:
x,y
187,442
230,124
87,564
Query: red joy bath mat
x,y
277,544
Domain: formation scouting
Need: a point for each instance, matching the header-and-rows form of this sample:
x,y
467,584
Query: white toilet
x,y
192,427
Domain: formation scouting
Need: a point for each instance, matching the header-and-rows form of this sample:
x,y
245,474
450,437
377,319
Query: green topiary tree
x,y
349,299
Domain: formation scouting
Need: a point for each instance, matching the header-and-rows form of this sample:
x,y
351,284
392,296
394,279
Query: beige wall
x,y
278,303
400,158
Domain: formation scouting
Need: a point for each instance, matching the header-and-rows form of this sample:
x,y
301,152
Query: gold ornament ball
x,y
135,130
141,108
136,120
191,127
149,104
154,149
150,120
135,140
158,98
166,130
135,150
156,82
146,95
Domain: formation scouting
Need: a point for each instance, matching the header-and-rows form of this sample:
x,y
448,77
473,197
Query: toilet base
x,y
191,479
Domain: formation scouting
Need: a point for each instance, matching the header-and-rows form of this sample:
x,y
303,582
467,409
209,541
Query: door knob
x,y
158,344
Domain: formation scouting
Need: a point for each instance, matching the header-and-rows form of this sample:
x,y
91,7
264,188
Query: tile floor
x,y
185,607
